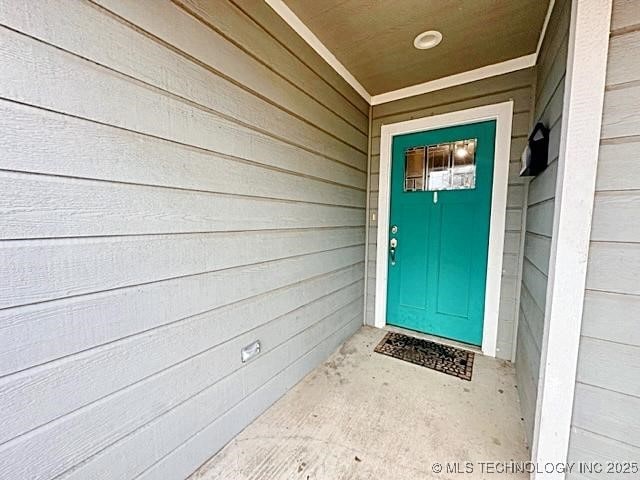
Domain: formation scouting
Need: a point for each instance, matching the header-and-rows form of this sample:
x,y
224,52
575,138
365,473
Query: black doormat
x,y
442,358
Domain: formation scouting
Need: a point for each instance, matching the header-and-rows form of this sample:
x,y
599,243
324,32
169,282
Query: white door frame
x,y
502,113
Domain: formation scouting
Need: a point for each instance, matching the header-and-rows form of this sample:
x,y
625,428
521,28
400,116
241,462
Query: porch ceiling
x,y
373,39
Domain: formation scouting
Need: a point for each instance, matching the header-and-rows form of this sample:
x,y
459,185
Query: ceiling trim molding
x,y
314,42
543,32
487,71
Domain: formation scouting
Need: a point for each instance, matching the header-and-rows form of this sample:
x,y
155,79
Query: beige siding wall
x,y
606,422
516,86
178,180
550,73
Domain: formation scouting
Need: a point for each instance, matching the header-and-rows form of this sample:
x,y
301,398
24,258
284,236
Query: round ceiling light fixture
x,y
427,40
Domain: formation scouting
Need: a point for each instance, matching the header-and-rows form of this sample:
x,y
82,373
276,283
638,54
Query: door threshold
x,y
433,338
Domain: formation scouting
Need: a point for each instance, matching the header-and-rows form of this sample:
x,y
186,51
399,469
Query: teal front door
x,y
441,182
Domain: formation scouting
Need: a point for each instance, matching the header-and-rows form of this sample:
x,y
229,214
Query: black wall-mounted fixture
x,y
536,153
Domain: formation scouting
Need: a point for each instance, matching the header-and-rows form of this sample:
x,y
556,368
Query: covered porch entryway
x,y
362,415
201,243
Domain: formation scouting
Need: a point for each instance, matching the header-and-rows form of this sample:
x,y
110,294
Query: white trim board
x,y
545,24
503,114
487,71
575,190
314,42
457,79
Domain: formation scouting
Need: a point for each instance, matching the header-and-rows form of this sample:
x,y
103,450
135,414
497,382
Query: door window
x,y
443,166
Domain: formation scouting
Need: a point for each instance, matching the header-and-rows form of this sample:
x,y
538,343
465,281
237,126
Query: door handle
x,y
393,244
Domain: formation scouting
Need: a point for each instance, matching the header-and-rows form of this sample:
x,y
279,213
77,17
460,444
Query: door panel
x,y
412,292
437,284
454,262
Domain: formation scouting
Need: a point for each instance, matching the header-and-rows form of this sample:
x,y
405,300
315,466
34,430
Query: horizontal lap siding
x,y
539,212
180,179
606,422
516,86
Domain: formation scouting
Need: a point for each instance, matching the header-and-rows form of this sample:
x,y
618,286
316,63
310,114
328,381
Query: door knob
x,y
393,244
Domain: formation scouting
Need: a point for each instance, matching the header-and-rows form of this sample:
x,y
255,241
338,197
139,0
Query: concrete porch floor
x,y
362,415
